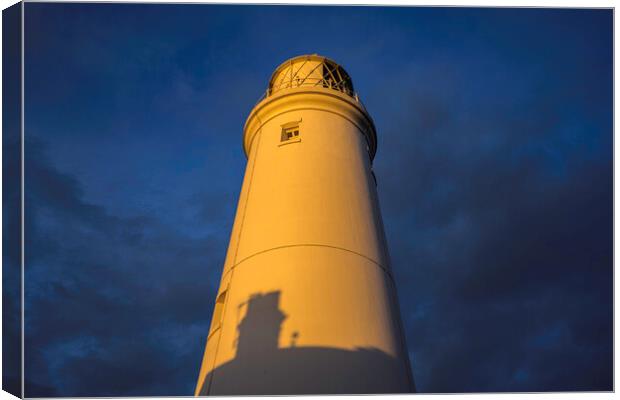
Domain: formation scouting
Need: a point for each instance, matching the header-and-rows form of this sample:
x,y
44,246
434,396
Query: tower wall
x,y
308,233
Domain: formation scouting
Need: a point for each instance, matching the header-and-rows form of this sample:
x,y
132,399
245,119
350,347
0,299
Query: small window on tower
x,y
289,133
216,320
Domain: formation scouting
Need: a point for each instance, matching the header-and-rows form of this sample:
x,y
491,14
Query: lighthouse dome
x,y
311,70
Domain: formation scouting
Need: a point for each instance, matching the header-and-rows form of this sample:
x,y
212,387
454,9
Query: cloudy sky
x,y
494,171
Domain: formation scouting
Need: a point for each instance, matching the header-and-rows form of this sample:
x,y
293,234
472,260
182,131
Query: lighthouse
x,y
307,301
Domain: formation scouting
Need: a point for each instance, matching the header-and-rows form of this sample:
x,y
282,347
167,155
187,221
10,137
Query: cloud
x,y
114,306
501,242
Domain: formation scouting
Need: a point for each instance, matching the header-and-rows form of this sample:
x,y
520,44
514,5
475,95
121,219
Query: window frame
x,y
291,132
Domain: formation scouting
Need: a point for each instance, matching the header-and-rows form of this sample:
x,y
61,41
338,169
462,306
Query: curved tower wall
x,y
307,232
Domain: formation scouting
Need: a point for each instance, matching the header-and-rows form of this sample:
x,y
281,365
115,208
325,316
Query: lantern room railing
x,y
310,71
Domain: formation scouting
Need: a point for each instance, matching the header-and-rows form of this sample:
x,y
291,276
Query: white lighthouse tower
x,y
307,301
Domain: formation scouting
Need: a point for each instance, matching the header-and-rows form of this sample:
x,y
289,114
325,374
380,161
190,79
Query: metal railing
x,y
310,82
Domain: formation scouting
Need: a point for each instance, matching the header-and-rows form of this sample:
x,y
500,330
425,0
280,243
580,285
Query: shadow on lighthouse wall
x,y
260,367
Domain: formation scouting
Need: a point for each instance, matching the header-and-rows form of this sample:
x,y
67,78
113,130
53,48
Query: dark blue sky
x,y
494,171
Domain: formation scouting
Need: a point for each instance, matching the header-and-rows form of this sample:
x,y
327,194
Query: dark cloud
x,y
501,233
117,304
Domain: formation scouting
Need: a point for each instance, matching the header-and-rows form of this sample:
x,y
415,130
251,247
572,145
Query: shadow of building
x,y
260,367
